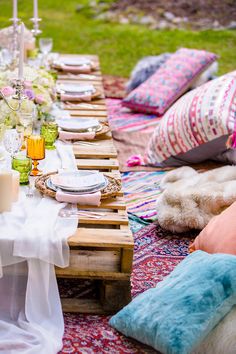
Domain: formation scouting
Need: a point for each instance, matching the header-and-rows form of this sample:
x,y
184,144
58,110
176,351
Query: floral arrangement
x,y
39,90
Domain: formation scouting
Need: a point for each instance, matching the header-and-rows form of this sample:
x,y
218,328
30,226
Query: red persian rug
x,y
114,86
157,252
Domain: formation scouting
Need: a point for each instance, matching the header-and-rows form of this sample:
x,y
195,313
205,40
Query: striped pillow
x,y
169,82
197,126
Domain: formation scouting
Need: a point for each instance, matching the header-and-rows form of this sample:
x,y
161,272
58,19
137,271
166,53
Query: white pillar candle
x,y
15,9
15,185
5,190
36,9
21,54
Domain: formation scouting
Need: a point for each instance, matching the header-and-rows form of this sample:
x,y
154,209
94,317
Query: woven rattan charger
x,y
111,190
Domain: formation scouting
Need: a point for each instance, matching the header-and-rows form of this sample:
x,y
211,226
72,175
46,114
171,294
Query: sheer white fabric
x,y
33,238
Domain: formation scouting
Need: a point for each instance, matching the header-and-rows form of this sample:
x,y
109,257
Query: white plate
x,y
77,124
75,61
75,89
78,180
51,186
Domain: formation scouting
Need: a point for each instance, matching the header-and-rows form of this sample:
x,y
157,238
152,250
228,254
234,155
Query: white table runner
x,y
33,238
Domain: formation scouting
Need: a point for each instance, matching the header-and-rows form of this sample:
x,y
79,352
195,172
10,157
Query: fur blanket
x,y
190,199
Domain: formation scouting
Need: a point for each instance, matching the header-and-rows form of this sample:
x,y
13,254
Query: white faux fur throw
x,y
190,199
222,339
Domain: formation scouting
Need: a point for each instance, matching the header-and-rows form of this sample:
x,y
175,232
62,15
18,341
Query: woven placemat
x,y
105,129
111,190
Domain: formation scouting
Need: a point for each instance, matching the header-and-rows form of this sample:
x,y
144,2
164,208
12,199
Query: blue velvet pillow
x,y
176,315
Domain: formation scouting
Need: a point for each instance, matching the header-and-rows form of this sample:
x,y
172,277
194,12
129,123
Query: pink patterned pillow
x,y
197,126
169,82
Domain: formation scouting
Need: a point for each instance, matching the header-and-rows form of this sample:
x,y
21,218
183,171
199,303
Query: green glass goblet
x,y
49,130
22,164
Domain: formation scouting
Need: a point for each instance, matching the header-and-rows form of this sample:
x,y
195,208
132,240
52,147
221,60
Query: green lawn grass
x,y
119,46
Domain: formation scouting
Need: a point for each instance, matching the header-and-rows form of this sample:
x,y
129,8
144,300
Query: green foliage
x,y
119,46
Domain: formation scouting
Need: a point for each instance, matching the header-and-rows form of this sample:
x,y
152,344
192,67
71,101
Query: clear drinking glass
x,y
12,141
45,46
25,126
2,131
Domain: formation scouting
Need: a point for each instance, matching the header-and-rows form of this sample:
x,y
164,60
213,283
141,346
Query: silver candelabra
x,y
36,31
18,84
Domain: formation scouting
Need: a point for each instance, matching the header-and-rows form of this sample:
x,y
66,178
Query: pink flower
x,y
39,99
7,91
135,160
28,84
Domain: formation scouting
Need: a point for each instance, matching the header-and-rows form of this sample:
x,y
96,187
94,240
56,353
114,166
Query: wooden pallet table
x,y
102,248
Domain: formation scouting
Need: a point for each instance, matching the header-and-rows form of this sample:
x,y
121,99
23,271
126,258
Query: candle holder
x,y
36,31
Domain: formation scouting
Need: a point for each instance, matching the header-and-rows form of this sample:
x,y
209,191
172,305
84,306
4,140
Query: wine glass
x,y
2,131
25,126
12,141
45,46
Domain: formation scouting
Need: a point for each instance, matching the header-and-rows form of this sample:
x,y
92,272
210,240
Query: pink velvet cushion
x,y
219,236
169,82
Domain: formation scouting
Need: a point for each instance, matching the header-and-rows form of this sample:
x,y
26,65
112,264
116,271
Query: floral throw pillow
x,y
197,126
169,82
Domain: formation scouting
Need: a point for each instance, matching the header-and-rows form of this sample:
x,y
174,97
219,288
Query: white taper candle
x,y
21,54
36,9
15,9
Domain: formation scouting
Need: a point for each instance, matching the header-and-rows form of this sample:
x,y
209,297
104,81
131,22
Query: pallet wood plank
x,y
101,238
97,164
107,219
82,306
93,261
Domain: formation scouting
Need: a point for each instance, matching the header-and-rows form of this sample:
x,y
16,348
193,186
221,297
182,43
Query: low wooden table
x,y
101,249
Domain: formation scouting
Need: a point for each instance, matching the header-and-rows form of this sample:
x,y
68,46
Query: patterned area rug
x,y
141,190
157,252
122,119
114,86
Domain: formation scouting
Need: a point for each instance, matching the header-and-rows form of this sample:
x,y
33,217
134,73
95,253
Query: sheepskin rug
x,y
189,199
222,339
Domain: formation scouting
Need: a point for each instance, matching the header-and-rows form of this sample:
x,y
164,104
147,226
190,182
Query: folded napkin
x,y
83,199
84,68
76,97
63,135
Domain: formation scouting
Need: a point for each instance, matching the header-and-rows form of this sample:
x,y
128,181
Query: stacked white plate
x,y
79,125
75,89
73,61
77,182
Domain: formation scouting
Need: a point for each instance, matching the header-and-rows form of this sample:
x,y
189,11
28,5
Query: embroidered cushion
x,y
176,315
169,82
197,126
145,68
219,236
